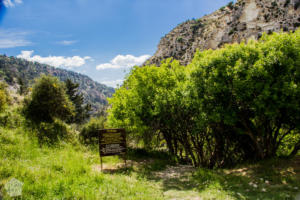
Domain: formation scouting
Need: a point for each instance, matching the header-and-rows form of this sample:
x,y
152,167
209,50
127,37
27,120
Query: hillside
x,y
12,69
232,23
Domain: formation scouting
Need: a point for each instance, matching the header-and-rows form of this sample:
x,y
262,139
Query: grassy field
x,y
72,171
64,172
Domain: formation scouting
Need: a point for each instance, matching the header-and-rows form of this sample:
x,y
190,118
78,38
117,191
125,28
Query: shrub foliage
x,y
229,105
90,131
48,107
48,101
4,96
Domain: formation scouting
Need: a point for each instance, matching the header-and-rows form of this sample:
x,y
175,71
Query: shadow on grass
x,y
121,170
158,166
270,179
143,162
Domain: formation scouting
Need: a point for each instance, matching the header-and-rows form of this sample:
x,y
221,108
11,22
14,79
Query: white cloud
x,y
56,61
12,38
11,3
113,83
123,61
9,43
8,3
87,57
67,42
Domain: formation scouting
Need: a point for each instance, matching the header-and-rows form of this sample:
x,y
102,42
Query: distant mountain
x,y
12,70
232,23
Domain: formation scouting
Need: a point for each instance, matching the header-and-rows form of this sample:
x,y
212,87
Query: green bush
x,y
48,101
229,105
12,118
89,132
230,5
50,133
4,96
179,39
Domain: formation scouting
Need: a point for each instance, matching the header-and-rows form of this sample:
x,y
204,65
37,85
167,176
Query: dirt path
x,y
174,181
267,180
176,184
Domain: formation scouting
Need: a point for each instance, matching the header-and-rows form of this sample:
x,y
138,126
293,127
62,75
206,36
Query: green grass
x,y
63,172
273,179
72,171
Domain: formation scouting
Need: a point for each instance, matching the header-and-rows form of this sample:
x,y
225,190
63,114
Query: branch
x,y
283,136
295,150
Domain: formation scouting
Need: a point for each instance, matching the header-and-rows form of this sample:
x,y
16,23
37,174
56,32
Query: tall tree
x,y
22,86
82,112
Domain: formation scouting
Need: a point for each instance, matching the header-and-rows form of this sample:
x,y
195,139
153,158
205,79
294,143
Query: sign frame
x,y
103,144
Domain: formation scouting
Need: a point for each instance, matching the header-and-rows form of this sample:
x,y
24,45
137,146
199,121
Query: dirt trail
x,y
176,184
174,181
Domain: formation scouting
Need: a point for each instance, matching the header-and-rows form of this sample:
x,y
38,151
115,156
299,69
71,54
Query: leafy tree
x,y
48,101
22,86
150,104
251,90
229,105
82,112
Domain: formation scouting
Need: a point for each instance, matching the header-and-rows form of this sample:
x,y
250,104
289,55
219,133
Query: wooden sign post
x,y
112,142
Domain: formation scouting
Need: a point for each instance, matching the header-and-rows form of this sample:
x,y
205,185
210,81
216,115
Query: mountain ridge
x,y
12,69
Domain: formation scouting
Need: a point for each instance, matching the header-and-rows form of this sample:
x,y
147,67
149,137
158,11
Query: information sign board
x,y
112,142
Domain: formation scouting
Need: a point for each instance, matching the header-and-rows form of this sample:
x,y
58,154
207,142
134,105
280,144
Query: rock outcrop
x,y
233,23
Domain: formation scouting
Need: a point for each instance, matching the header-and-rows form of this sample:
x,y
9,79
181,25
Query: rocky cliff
x,y
232,23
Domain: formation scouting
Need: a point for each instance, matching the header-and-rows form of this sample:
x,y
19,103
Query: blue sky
x,y
100,38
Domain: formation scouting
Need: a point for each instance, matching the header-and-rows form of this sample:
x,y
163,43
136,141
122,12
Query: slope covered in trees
x,y
230,105
21,73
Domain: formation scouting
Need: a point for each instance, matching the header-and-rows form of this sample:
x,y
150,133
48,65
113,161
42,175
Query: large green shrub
x,y
250,93
12,117
47,108
237,103
50,133
90,131
48,101
151,103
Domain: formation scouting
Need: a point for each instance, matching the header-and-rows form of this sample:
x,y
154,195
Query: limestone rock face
x,y
233,23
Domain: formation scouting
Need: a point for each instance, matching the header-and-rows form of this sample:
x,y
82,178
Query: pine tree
x,y
82,111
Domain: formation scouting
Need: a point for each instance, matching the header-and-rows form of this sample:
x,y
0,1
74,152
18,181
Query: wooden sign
x,y
112,142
